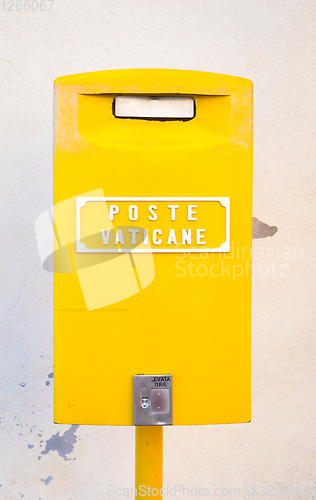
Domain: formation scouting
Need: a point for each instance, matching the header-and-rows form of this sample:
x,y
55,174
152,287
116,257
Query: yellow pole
x,y
148,460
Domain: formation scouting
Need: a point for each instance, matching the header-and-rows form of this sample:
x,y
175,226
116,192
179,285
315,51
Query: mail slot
x,y
152,231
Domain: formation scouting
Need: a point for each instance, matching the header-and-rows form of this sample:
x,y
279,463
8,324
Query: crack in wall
x,y
9,62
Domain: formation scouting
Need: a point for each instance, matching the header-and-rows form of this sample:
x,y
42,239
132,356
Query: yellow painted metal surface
x,y
183,313
149,461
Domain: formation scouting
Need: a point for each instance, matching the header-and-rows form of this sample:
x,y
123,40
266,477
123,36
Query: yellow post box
x,y
152,238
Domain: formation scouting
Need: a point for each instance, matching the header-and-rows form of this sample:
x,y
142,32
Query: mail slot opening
x,y
154,107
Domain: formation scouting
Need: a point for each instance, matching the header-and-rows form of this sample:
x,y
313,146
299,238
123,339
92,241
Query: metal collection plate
x,y
152,399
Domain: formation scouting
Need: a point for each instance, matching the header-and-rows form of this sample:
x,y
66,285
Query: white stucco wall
x,y
273,44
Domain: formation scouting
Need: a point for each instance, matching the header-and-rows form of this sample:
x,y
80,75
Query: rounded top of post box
x,y
166,81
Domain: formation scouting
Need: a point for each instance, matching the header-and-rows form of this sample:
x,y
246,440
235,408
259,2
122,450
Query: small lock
x,y
153,399
145,403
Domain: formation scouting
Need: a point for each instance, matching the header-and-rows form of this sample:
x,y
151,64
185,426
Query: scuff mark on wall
x,y
64,444
262,230
47,480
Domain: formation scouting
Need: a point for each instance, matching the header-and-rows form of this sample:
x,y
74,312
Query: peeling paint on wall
x,y
64,445
262,230
47,480
50,376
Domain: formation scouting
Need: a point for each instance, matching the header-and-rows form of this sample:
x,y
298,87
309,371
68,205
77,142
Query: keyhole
x,y
144,402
